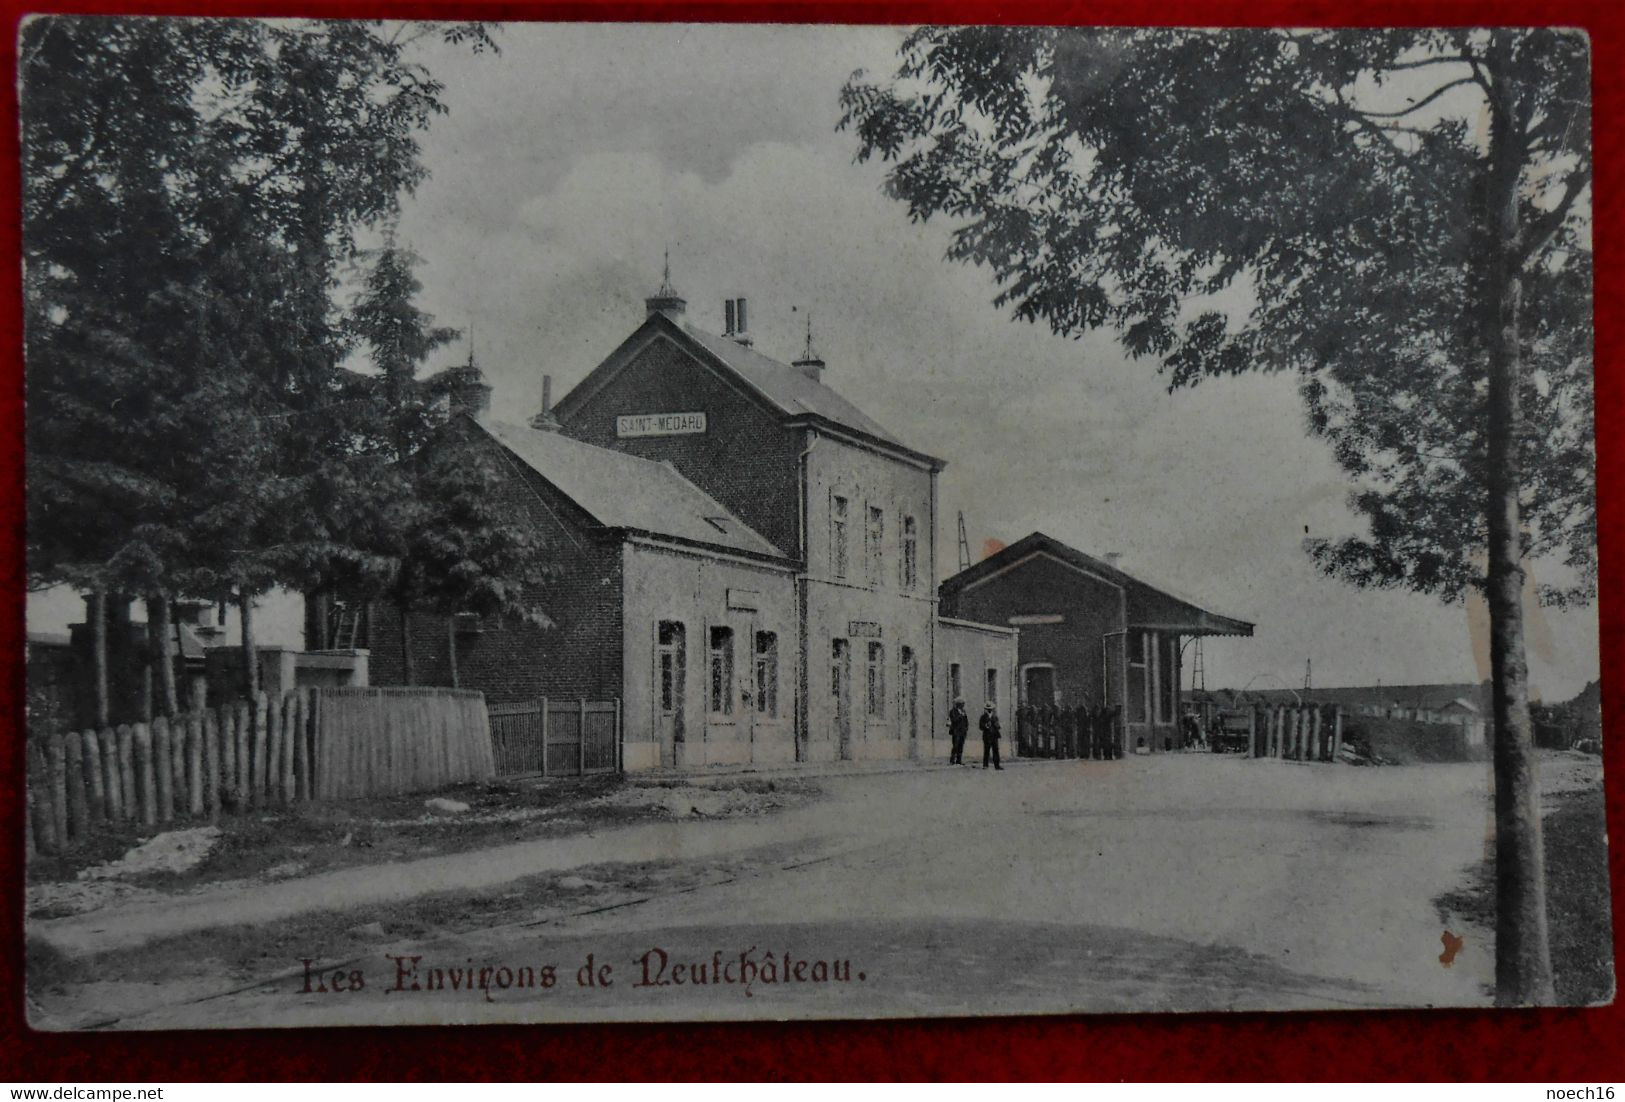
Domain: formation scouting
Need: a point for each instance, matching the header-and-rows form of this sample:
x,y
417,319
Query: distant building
x,y
1091,634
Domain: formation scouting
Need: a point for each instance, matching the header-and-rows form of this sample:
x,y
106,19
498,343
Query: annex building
x,y
1092,635
746,563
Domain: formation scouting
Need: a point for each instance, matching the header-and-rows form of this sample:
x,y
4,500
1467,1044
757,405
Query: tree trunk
x,y
1523,967
451,648
97,609
251,658
159,632
409,675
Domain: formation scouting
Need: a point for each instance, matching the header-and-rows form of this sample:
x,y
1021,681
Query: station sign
x,y
659,424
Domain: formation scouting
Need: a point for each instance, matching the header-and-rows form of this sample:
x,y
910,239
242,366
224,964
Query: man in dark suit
x,y
990,736
958,731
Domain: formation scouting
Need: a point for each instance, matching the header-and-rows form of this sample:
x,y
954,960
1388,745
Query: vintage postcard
x,y
565,522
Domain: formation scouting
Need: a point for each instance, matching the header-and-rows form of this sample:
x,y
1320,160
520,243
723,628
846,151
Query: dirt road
x,y
1186,882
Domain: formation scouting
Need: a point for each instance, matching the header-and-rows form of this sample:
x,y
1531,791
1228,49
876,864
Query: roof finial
x,y
471,342
666,300
809,364
666,289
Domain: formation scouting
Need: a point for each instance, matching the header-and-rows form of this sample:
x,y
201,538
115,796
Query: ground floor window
x,y
877,681
767,674
722,670
669,645
990,690
955,689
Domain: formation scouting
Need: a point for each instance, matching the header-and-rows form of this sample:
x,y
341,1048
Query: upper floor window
x,y
875,533
911,554
722,671
837,535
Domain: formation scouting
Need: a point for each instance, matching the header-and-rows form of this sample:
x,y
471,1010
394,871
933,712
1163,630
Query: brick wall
x,y
745,458
1043,586
580,655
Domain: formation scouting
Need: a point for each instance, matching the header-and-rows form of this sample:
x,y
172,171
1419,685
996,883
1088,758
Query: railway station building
x,y
748,563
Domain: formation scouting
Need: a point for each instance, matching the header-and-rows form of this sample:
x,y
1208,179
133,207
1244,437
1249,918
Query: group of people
x,y
959,729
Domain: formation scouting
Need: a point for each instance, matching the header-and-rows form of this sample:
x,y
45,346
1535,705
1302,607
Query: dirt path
x,y
1184,882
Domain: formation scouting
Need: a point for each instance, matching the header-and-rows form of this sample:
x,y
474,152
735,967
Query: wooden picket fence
x,y
310,744
1301,732
191,766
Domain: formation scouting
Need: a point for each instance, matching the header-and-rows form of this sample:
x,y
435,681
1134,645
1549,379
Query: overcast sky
x,y
569,162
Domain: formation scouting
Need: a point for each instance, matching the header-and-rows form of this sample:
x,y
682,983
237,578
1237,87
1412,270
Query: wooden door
x,y
841,692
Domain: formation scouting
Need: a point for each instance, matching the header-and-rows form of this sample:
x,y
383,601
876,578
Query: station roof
x,y
1150,606
781,387
620,490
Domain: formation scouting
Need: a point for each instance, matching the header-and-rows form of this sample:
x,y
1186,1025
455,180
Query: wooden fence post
x,y
78,800
228,750
113,789
146,781
544,738
127,773
581,747
1337,732
164,765
301,747
290,736
256,777
620,740
194,763
91,746
273,750
178,732
78,803
57,755
211,765
44,815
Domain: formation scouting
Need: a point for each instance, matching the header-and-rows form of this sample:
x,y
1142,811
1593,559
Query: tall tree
x,y
1324,203
438,541
190,187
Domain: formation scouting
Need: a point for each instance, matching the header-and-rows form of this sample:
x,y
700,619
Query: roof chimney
x,y
734,326
666,300
545,421
810,364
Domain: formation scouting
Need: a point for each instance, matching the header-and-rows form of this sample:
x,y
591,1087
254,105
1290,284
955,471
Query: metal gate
x,y
556,738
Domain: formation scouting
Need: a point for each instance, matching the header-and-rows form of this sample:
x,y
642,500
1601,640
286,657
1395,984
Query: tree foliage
x,y
191,188
1305,202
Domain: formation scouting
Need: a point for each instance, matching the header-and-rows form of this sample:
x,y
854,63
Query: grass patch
x,y
1577,899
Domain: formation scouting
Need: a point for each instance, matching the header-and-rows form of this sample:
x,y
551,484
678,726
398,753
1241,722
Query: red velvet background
x,y
1558,1045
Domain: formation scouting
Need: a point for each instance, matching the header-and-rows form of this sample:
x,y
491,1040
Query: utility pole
x,y
1308,665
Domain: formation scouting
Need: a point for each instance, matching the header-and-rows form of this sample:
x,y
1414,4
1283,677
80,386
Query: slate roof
x,y
786,387
619,490
779,386
1196,620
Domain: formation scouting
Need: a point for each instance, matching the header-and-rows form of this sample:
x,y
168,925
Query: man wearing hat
x,y
958,730
990,736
